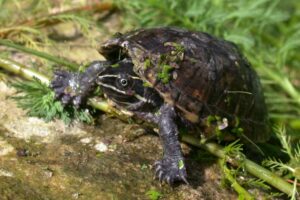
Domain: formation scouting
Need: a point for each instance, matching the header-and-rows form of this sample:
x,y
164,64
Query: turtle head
x,y
121,85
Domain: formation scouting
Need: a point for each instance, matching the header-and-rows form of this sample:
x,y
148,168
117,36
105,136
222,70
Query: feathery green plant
x,y
291,169
38,100
233,151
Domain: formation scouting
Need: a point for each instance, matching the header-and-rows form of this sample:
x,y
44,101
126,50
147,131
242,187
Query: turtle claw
x,y
168,170
184,179
160,176
168,180
59,83
157,166
77,101
66,99
158,162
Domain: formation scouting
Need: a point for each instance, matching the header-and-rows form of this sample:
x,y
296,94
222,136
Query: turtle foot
x,y
171,170
66,87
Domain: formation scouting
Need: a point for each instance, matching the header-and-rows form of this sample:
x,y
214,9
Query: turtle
x,y
174,78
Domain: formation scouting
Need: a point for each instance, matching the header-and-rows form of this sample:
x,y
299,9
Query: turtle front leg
x,y
172,167
74,88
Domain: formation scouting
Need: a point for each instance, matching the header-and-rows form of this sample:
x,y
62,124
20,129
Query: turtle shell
x,y
202,76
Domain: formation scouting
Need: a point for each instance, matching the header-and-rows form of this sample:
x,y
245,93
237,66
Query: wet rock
x,y
101,147
86,140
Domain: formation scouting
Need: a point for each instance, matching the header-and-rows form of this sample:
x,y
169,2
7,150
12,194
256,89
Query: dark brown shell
x,y
208,76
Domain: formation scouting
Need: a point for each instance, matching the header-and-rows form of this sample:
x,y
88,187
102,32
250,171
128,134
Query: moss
x,y
165,75
147,84
212,120
169,61
176,55
178,47
147,63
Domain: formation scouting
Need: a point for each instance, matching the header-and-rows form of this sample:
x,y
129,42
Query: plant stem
x,y
249,166
44,55
212,148
22,71
243,194
105,107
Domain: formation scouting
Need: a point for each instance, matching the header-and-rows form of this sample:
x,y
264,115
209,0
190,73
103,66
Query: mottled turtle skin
x,y
172,77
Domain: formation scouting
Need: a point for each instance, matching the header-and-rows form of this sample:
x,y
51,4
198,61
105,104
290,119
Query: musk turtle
x,y
175,78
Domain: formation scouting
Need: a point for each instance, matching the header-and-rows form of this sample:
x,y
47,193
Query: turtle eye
x,y
124,82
